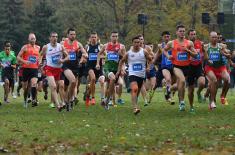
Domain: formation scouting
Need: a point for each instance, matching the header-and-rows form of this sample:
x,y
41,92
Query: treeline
x,y
19,17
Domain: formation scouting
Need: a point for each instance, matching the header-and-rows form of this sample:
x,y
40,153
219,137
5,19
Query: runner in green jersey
x,y
8,64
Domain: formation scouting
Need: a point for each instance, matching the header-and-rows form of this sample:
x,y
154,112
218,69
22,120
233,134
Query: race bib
x,y
92,56
32,59
182,56
214,56
137,67
72,55
55,59
113,56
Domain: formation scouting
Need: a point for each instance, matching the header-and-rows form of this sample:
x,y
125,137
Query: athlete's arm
x,y
42,53
121,63
168,47
191,50
225,52
99,55
122,51
19,56
149,59
84,53
158,53
66,55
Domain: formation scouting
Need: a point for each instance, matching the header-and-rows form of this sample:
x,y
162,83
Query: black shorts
x,y
8,77
139,80
170,70
184,69
194,73
29,73
98,73
159,77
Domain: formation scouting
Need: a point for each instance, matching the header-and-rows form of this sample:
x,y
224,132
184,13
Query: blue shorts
x,y
152,73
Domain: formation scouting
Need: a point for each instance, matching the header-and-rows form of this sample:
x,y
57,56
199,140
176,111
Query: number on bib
x,y
182,56
137,67
92,56
72,55
113,56
32,59
55,59
214,56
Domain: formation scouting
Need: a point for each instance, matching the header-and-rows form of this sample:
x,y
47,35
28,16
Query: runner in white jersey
x,y
137,58
54,59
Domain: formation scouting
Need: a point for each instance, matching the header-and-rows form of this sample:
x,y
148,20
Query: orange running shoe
x,y
93,101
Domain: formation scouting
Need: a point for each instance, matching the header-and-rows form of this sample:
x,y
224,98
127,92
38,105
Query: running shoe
x,y
136,111
34,103
182,106
45,96
212,105
14,96
120,101
223,100
93,101
192,110
52,105
110,103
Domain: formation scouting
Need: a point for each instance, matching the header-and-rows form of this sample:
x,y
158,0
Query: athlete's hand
x,y
26,62
61,61
210,62
97,67
148,69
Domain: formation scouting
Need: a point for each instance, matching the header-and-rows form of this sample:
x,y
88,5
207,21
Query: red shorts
x,y
51,71
216,71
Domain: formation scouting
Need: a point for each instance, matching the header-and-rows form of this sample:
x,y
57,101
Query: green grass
x,y
159,128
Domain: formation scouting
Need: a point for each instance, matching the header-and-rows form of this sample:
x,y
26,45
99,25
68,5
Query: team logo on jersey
x,y
96,50
132,55
50,49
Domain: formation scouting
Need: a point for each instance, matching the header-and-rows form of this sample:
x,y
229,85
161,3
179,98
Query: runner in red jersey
x,y
196,70
29,57
182,49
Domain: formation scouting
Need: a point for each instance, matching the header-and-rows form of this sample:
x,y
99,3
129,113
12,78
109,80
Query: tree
x,y
43,22
12,23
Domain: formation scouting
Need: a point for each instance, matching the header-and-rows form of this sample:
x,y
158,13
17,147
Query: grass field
x,y
159,129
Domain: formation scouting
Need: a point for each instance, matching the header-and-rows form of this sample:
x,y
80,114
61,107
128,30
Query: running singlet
x,y
215,56
73,52
7,61
180,57
112,58
92,51
166,63
199,59
53,55
31,54
137,63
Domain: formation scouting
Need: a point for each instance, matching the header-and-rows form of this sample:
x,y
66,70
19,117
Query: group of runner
x,y
176,63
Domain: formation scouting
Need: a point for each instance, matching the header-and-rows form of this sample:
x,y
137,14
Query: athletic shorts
x,y
29,73
194,73
139,80
55,72
159,77
9,77
151,73
184,69
216,71
98,73
169,69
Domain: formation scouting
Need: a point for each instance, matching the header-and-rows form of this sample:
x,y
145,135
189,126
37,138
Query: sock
x,y
34,92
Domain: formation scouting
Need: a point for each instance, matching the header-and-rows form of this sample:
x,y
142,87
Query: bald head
x,y
213,37
32,38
